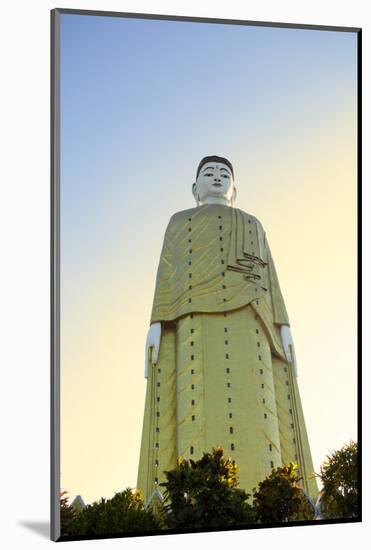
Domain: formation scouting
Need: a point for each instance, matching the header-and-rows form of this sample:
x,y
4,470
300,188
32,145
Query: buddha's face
x,y
215,184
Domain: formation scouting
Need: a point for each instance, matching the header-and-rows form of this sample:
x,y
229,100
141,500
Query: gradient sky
x,y
142,101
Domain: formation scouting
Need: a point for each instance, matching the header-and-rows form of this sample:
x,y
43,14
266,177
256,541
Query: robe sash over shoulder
x,y
214,259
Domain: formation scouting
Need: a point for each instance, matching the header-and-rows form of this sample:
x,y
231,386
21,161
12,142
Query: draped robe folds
x,y
222,378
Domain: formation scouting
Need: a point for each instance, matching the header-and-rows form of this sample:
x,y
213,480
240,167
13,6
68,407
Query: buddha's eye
x,y
225,175
208,174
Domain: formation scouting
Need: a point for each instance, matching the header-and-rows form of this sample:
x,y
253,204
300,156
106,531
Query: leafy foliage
x,y
204,493
339,475
123,513
279,497
67,513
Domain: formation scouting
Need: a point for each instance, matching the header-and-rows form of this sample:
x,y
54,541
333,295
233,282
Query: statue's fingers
x,y
288,354
154,355
294,363
146,361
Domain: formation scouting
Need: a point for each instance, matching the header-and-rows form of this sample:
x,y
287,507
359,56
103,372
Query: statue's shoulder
x,y
182,216
252,219
178,220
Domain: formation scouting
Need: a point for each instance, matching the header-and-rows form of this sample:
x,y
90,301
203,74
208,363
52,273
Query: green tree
x,y
204,493
339,476
124,513
67,513
279,497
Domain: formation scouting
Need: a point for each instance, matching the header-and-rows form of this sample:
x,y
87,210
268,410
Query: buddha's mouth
x,y
217,184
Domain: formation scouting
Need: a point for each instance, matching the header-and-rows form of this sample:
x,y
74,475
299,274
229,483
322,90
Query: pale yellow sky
x,y
129,155
311,225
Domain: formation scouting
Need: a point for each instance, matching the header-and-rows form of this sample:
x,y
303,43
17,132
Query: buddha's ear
x,y
194,190
195,193
234,193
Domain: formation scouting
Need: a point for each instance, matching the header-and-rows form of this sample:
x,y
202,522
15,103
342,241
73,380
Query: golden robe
x,y
221,378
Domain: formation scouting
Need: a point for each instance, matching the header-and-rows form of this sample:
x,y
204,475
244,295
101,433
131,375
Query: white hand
x,y
152,345
288,346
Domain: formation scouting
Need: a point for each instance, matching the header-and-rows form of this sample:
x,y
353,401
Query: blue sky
x,y
142,101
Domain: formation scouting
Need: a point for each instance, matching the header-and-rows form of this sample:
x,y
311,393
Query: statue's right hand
x,y
152,346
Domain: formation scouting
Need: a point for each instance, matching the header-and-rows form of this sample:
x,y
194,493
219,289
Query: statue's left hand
x,y
152,345
288,346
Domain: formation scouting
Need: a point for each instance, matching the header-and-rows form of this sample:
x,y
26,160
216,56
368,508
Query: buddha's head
x,y
214,182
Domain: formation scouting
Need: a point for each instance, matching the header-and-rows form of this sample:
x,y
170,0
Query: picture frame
x,y
56,242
